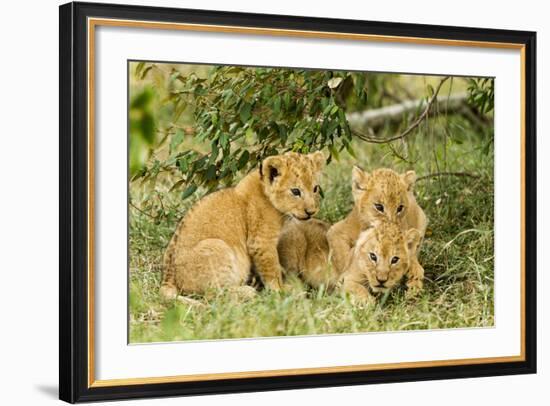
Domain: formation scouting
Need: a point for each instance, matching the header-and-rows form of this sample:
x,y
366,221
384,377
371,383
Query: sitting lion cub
x,y
383,195
230,231
380,258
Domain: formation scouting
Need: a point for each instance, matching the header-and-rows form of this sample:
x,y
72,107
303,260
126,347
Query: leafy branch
x,y
243,115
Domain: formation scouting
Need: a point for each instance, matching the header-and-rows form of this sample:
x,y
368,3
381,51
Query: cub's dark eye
x,y
379,207
316,189
400,208
373,256
394,260
296,192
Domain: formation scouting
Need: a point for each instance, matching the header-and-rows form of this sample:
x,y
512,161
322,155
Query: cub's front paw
x,y
358,294
414,287
363,300
168,292
274,284
415,280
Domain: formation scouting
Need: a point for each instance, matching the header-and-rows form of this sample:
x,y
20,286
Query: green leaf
x,y
224,140
342,117
176,140
138,155
245,112
227,96
277,106
350,150
177,185
332,126
183,164
287,100
334,152
249,134
347,130
148,127
143,99
211,172
189,191
328,107
243,159
214,151
214,118
283,134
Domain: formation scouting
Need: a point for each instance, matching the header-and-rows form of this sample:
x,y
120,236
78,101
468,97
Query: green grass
x,y
457,255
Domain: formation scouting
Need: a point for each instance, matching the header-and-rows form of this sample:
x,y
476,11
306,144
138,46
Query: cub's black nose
x,y
309,213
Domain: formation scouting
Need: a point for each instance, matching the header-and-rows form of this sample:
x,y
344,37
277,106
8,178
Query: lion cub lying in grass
x,y
382,195
380,258
230,231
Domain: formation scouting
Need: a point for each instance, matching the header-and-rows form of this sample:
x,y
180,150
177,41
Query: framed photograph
x,y
261,202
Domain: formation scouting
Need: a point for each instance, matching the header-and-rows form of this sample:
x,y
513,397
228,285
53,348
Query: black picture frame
x,y
73,284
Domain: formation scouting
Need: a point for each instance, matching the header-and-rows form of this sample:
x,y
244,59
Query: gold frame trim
x,y
94,22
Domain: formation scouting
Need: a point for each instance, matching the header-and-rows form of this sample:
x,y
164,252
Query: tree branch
x,y
141,211
398,110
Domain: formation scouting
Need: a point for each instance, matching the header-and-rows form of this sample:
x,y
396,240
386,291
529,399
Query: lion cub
x,y
304,251
385,195
381,257
230,231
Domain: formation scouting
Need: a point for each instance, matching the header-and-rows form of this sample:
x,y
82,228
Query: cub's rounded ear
x,y
359,180
318,159
359,177
412,237
409,178
271,167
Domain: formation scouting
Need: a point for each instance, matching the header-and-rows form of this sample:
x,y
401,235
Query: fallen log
x,y
377,118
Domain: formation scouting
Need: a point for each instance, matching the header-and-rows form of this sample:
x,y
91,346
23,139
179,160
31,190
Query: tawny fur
x,y
229,232
303,250
394,192
381,257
